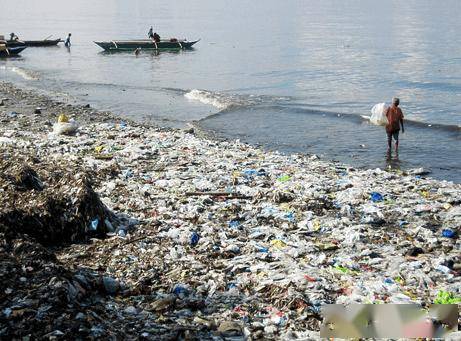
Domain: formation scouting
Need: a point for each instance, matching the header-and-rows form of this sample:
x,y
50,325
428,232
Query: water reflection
x,y
393,161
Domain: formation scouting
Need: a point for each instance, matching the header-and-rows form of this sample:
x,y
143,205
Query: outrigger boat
x,y
128,45
33,43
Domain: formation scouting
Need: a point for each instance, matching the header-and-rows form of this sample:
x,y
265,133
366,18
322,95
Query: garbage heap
x,y
232,241
53,204
43,206
237,240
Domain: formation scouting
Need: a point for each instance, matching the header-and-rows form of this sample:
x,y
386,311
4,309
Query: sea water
x,y
294,76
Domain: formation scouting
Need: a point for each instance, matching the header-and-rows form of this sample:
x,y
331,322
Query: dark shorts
x,y
394,135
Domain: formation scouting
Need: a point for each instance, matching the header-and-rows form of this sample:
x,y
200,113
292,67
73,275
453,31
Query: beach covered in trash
x,y
115,229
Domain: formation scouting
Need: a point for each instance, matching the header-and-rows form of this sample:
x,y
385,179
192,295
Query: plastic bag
x,y
378,114
65,128
63,118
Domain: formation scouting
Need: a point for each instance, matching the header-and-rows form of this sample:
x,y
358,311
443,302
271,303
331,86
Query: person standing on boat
x,y
150,34
394,120
67,43
13,36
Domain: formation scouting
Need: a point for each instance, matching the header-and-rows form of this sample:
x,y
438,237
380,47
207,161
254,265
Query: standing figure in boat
x,y
150,34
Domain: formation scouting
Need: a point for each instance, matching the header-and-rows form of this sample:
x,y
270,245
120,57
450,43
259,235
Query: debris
x,y
53,204
194,239
229,239
376,197
444,297
447,233
131,310
419,171
163,304
219,194
62,118
65,128
110,285
230,328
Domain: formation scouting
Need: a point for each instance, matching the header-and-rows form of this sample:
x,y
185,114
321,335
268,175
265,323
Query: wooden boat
x,y
128,45
6,51
33,43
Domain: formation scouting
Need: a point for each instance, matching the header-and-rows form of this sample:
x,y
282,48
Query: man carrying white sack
x,y
394,121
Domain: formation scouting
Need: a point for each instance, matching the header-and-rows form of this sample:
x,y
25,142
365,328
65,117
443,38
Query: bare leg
x,y
397,146
389,143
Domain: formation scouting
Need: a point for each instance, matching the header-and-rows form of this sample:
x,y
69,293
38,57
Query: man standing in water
x,y
394,121
67,42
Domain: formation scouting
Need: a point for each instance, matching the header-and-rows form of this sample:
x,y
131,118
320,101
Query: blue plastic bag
x,y
376,197
194,239
448,233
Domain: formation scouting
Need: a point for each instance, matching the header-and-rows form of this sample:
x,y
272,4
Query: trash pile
x,y
54,206
234,241
40,298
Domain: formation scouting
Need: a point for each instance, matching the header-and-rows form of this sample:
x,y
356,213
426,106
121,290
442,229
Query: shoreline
x,y
295,233
367,153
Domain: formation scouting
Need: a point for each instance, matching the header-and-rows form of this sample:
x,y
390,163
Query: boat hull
x,y
12,51
32,43
130,45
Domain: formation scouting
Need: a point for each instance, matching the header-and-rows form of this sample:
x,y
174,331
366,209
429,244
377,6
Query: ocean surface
x,y
293,76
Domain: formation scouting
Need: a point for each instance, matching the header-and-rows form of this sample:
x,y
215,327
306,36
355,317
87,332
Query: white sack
x,y
378,114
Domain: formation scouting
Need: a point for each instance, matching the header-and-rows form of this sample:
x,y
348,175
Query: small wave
x,y
279,110
207,97
224,101
28,75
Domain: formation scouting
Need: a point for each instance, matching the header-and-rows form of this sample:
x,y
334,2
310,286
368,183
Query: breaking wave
x,y
207,97
28,75
225,100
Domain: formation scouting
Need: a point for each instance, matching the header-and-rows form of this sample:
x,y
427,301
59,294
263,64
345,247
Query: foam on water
x,y
226,101
25,74
207,97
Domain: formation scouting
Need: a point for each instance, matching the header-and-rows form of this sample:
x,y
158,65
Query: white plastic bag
x,y
65,128
378,114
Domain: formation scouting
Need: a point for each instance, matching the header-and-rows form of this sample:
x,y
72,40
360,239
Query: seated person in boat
x,y
13,36
156,37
